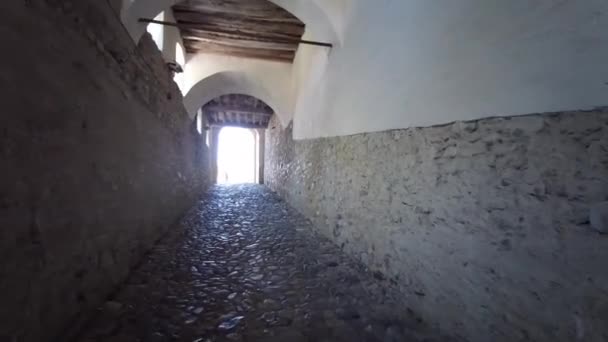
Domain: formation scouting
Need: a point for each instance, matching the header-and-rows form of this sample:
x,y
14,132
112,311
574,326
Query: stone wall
x,y
484,225
98,158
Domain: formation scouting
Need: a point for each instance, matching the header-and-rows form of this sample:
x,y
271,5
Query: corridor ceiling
x,y
244,28
237,110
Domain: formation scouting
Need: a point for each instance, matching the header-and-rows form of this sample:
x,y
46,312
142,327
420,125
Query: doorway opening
x,y
237,156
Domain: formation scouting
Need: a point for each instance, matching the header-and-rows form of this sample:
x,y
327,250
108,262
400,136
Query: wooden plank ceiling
x,y
245,28
237,110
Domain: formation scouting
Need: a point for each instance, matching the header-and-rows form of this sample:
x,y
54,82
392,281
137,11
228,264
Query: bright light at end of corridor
x,y
236,156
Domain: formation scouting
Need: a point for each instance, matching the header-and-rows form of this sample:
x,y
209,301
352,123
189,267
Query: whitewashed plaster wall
x,y
170,43
399,64
172,38
420,63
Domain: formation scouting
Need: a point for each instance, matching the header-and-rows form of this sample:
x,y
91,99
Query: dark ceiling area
x,y
244,28
237,110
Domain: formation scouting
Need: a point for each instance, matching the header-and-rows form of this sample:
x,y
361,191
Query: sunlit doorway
x,y
236,159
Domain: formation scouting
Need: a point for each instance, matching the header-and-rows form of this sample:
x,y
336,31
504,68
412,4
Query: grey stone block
x,y
598,216
458,214
68,240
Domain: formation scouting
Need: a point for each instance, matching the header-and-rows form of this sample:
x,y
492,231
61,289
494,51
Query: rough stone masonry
x,y
98,158
484,225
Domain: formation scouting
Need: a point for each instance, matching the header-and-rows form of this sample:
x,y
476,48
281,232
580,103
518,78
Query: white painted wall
x,y
169,41
337,14
133,10
409,63
420,63
157,32
172,38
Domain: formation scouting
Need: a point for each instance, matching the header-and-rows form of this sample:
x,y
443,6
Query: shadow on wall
x,y
92,179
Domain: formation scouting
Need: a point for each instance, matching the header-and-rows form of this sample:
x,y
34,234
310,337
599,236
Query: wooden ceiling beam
x,y
245,28
240,119
239,109
244,24
250,44
250,8
217,34
298,41
222,19
275,55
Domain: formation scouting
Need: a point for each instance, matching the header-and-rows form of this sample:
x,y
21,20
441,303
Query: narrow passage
x,y
244,266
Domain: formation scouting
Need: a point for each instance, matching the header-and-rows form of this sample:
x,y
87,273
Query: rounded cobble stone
x,y
244,266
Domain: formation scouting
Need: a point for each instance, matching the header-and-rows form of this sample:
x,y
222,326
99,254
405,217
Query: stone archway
x,y
240,111
234,82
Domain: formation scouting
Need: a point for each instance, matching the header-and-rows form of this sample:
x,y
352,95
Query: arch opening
x,y
284,86
237,110
236,82
237,124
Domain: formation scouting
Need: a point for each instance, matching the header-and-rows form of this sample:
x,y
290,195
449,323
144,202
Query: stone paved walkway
x,y
244,266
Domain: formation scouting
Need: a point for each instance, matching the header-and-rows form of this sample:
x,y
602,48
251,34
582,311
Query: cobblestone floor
x,y
244,266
